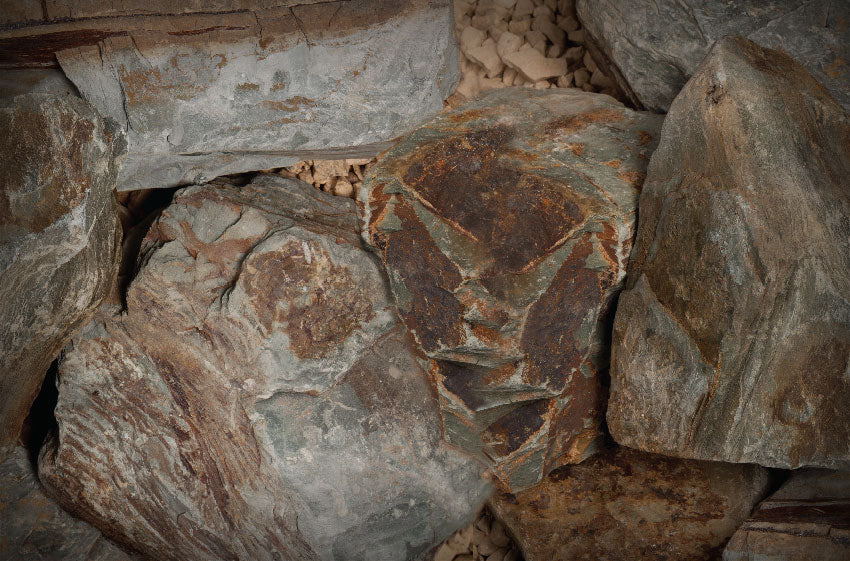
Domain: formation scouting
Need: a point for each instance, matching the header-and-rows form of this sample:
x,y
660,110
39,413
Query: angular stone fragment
x,y
34,528
807,518
258,400
534,65
658,44
259,86
59,237
504,227
732,340
625,504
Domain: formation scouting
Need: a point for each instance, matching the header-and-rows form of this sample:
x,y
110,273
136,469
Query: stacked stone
x,y
484,540
337,177
529,43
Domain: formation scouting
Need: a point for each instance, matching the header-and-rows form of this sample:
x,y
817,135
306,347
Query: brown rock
x,y
732,340
625,504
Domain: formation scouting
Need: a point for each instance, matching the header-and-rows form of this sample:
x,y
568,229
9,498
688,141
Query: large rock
x,y
625,504
732,339
807,518
247,85
656,45
34,528
59,237
504,226
258,400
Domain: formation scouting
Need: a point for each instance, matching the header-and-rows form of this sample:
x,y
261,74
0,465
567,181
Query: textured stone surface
x,y
625,504
807,518
59,238
34,528
732,339
504,226
207,94
658,44
259,399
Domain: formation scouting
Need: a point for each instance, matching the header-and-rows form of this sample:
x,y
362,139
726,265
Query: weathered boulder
x,y
34,528
59,237
732,339
504,227
254,84
625,504
807,518
259,399
656,45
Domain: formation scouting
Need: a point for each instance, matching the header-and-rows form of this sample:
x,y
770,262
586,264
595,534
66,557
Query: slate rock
x,y
259,399
807,518
625,504
250,85
732,337
504,226
657,45
34,528
59,237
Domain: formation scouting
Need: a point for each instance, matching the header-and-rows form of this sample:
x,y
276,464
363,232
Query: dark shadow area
x,y
41,420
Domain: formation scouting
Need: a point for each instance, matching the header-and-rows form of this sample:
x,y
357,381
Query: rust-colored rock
x,y
258,400
59,237
624,504
732,338
504,230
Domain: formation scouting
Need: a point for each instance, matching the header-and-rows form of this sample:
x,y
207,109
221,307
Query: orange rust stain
x,y
645,138
290,104
247,87
834,69
633,178
278,86
614,163
576,148
575,123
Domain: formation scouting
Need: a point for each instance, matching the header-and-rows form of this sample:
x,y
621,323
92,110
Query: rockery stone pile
x,y
304,280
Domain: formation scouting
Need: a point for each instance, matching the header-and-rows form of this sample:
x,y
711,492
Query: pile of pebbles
x,y
529,43
337,177
484,540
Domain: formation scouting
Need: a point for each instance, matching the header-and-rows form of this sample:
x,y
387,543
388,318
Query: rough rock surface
x,y
658,44
807,518
207,94
59,238
732,339
34,528
504,226
259,399
625,504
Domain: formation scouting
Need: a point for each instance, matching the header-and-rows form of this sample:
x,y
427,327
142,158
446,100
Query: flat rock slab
x,y
259,399
59,237
625,504
34,528
807,518
504,226
260,86
732,338
658,44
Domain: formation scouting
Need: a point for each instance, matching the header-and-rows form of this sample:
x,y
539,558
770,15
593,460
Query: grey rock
x,y
504,226
258,400
206,94
807,518
658,44
34,528
59,237
732,338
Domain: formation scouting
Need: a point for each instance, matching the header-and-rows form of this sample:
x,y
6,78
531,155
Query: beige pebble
x,y
498,555
589,63
566,6
509,76
357,161
519,26
465,557
485,21
568,23
523,8
554,51
483,527
445,553
307,177
506,4
469,85
508,43
543,12
610,91
551,31
324,170
492,84
542,85
487,547
581,77
574,54
497,30
487,57
600,80
565,81
576,36
551,4
471,38
588,87
534,66
343,188
461,8
498,535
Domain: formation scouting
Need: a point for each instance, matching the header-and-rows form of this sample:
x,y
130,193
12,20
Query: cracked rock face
x,y
253,85
652,507
732,342
504,226
807,518
59,238
258,400
658,44
34,528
